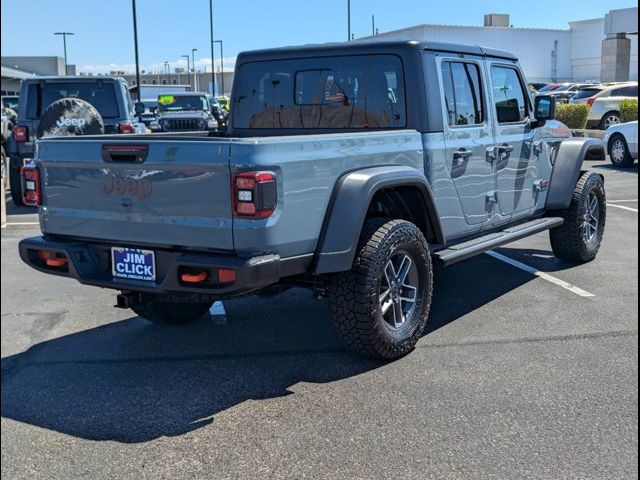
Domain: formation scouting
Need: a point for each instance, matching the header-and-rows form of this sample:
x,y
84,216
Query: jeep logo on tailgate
x,y
140,188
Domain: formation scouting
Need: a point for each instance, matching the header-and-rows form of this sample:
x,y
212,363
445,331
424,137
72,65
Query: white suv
x,y
605,106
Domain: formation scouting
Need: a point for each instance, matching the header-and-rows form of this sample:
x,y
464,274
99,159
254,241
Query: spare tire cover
x,y
70,116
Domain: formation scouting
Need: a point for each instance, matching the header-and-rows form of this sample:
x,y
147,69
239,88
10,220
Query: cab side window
x,y
463,93
509,95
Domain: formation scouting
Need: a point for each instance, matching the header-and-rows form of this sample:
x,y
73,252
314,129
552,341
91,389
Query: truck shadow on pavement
x,y
132,381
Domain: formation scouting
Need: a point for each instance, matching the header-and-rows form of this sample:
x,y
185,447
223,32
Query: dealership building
x,y
604,49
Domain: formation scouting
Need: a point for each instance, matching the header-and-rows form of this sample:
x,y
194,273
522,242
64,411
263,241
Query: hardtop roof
x,y
328,49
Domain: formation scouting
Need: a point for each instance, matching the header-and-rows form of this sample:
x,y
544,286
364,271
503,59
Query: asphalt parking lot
x,y
522,374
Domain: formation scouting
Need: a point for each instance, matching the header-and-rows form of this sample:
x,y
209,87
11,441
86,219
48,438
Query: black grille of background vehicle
x,y
174,125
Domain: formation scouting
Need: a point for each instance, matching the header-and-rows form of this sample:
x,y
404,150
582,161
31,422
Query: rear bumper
x,y
90,264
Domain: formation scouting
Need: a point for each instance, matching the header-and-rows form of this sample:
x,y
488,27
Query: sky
x,y
168,29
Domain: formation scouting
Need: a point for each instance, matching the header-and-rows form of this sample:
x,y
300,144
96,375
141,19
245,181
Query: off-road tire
x,y
627,160
354,295
568,240
156,308
74,109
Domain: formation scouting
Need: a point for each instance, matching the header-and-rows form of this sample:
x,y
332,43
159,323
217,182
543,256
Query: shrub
x,y
573,115
628,110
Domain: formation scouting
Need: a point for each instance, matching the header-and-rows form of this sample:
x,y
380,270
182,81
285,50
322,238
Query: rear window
x,y
586,93
350,92
100,94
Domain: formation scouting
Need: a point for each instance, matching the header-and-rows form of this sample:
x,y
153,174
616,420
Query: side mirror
x,y
139,108
544,107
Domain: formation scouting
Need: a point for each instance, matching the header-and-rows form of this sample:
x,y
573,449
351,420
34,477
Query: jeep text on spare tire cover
x,y
70,116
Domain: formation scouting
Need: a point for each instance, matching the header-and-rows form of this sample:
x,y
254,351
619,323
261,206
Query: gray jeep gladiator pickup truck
x,y
348,169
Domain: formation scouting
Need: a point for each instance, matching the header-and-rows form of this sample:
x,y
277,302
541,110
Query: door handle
x,y
462,153
506,148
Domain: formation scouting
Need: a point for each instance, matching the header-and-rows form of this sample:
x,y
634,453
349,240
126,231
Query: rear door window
x,y
350,92
463,93
509,95
100,94
630,91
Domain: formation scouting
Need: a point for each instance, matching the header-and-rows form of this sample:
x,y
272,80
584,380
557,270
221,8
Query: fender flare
x,y
348,207
569,157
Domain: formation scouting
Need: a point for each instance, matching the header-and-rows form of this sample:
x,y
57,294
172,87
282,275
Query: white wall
x,y
586,48
533,47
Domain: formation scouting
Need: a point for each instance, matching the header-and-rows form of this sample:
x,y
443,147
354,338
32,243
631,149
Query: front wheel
x,y
619,152
162,309
578,239
380,307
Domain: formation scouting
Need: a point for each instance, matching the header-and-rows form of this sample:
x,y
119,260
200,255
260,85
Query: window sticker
x,y
166,99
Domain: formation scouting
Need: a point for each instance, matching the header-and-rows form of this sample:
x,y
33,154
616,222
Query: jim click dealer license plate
x,y
133,263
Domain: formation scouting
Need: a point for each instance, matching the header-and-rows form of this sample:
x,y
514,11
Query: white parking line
x,y
21,223
622,207
544,276
624,201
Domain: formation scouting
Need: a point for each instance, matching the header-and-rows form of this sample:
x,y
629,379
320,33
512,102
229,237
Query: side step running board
x,y
462,251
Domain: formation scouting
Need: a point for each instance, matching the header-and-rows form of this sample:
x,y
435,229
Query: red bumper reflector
x,y
51,260
193,277
226,275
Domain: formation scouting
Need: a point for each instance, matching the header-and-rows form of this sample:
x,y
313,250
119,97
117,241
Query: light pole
x,y
221,67
349,20
166,70
213,70
64,43
193,62
188,68
135,42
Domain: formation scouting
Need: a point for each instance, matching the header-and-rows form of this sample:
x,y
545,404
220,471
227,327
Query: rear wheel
x,y
609,119
619,152
380,307
164,309
578,239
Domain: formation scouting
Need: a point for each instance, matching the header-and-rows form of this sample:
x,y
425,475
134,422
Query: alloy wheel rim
x,y
618,151
592,220
611,120
398,290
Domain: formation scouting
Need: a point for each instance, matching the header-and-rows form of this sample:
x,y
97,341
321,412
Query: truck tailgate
x,y
134,192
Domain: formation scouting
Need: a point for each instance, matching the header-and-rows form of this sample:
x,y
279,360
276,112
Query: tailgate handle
x,y
125,153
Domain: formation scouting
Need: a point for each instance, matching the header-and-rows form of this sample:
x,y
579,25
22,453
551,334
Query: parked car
x,y
219,113
622,143
585,93
188,111
605,106
150,115
7,122
537,86
563,92
322,180
52,106
223,101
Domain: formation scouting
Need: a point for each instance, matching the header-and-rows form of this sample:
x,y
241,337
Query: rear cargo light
x,y
21,133
31,194
590,101
53,259
126,128
254,194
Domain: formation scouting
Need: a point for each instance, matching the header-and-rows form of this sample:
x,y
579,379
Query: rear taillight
x,y
20,134
254,194
126,128
590,101
31,194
